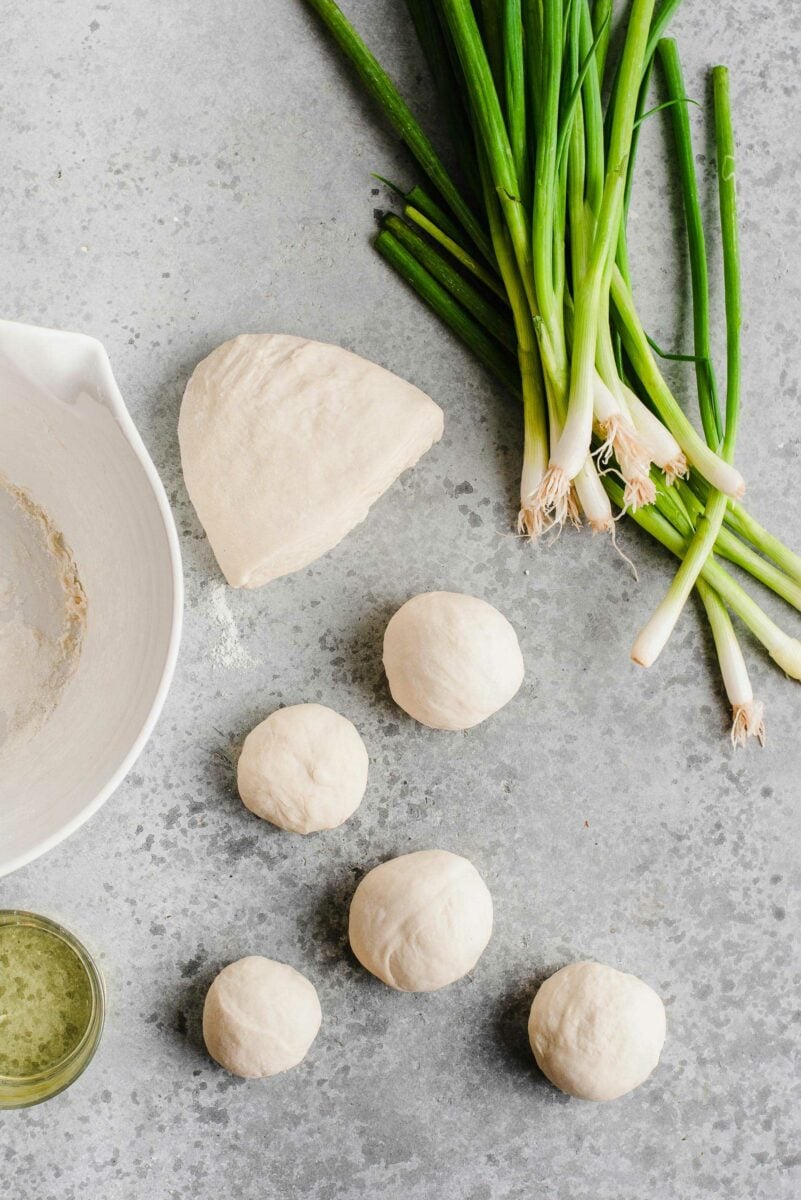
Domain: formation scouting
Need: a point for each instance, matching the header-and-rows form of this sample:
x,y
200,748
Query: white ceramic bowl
x,y
66,437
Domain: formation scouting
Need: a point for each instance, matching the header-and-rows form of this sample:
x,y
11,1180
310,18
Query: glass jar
x,y
52,1008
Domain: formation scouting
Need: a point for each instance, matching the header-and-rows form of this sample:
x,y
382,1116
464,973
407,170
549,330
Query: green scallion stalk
x,y
485,348
727,190
431,37
545,188
463,292
733,548
602,28
783,649
579,77
454,248
535,421
417,198
490,126
570,451
591,34
661,20
720,474
729,546
515,94
748,713
532,39
767,543
655,633
749,529
491,21
383,90
668,55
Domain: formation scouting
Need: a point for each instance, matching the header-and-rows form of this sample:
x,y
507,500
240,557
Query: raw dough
x,y
303,769
596,1033
421,921
285,444
451,660
260,1017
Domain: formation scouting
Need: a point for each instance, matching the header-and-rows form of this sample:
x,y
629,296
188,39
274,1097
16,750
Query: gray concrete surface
x,y
177,173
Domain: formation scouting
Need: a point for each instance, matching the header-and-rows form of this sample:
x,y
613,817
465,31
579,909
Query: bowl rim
x,y
131,433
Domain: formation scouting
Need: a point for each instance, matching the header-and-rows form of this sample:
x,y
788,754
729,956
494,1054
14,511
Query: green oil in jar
x,y
51,1008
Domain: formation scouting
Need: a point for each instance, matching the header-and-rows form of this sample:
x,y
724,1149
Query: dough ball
x,y
260,1017
451,660
303,769
285,445
597,1033
421,921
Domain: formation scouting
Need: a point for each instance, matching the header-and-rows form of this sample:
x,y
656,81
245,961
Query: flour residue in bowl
x,y
42,616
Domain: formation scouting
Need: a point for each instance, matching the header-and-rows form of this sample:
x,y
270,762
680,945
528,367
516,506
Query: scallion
x,y
521,84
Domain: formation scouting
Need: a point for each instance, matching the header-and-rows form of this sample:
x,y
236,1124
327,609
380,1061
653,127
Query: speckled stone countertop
x,y
177,173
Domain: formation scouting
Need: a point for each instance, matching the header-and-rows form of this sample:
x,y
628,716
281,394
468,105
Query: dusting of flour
x,y
229,650
42,616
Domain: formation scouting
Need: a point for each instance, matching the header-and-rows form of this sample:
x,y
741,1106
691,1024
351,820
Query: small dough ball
x,y
421,921
451,660
303,769
596,1033
260,1017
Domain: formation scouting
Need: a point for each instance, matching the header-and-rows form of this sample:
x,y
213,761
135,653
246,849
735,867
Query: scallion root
x,y
553,497
676,468
531,521
748,720
574,508
640,488
621,439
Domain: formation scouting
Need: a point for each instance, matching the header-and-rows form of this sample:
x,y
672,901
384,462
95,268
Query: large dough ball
x,y
285,445
260,1017
597,1033
421,921
451,660
303,769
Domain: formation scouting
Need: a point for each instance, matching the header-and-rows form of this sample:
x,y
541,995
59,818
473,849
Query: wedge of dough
x,y
286,443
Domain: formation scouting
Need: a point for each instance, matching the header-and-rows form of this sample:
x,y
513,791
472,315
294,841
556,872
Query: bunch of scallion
x,y
523,253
